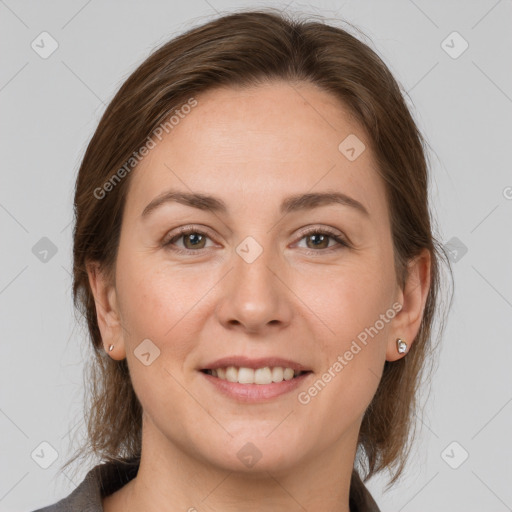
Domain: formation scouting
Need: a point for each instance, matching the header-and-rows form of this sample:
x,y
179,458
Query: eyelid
x,y
186,229
321,229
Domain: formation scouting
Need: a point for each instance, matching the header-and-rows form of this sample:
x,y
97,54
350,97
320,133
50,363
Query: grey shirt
x,y
105,479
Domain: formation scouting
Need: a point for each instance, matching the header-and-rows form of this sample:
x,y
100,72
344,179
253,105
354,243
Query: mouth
x,y
261,376
248,380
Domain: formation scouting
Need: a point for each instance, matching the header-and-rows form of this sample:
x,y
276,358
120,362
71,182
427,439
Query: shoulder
x,y
85,497
361,499
100,481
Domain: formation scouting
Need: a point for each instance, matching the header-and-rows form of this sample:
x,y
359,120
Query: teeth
x,y
277,374
264,375
246,375
288,374
231,374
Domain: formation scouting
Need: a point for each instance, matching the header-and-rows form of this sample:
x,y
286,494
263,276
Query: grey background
x,y
463,105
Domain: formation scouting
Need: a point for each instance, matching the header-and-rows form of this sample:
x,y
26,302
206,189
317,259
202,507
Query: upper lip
x,y
246,362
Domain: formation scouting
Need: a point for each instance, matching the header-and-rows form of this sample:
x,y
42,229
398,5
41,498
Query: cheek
x,y
356,313
354,303
156,301
350,298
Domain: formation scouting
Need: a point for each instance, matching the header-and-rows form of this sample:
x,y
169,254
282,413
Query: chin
x,y
257,454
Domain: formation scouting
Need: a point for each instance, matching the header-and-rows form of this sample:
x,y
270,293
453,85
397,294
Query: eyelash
x,y
342,243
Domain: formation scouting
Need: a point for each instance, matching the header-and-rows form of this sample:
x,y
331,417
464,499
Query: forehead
x,y
264,141
272,121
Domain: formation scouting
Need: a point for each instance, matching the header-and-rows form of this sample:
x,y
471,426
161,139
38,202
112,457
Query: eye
x,y
319,239
193,240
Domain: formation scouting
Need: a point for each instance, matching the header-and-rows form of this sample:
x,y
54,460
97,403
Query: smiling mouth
x,y
265,375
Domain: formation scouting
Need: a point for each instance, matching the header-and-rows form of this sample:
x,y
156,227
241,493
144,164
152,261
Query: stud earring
x,y
111,348
401,346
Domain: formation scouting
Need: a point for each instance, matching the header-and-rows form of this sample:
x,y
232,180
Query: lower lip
x,y
253,393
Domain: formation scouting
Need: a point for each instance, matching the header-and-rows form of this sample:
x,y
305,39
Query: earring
x,y
111,348
401,346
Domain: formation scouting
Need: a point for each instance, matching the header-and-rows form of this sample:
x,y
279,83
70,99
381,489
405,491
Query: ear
x,y
109,323
413,297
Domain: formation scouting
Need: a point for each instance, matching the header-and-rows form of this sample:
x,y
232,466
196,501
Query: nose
x,y
255,297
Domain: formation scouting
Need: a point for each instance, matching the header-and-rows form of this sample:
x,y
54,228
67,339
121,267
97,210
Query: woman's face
x,y
260,281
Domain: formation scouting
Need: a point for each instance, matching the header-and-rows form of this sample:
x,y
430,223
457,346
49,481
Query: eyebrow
x,y
290,204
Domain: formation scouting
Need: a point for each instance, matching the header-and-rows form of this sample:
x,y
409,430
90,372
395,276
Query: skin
x,y
252,148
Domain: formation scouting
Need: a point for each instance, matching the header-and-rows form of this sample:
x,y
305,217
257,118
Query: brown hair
x,y
244,49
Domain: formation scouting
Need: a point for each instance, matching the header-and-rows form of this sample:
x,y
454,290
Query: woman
x,y
254,256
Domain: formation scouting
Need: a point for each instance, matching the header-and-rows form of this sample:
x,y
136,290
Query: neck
x,y
170,480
